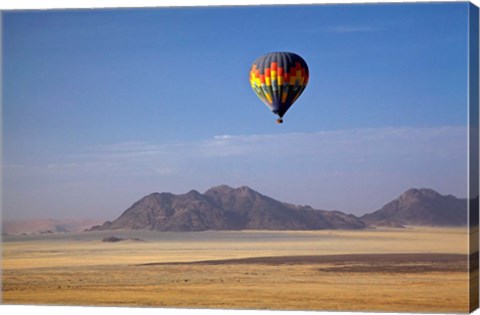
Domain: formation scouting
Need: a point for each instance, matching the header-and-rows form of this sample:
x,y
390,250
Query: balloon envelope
x,y
278,79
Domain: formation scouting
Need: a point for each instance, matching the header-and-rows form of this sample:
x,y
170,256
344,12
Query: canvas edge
x,y
473,163
473,156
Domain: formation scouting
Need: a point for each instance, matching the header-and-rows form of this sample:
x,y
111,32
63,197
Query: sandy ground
x,y
407,270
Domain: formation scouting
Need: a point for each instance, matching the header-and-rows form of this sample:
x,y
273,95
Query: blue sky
x,y
101,107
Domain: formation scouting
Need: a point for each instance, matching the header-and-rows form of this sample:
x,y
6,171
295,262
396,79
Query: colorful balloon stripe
x,y
278,79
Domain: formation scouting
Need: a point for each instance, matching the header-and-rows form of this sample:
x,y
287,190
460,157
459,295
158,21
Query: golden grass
x,y
234,286
55,253
96,273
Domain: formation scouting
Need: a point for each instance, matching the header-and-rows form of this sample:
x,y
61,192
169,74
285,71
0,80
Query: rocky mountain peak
x,y
221,189
417,194
225,208
421,207
225,189
193,194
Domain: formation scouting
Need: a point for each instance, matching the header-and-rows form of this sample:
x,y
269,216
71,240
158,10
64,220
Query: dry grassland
x,y
169,270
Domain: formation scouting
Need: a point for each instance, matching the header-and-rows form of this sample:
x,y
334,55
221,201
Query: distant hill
x,y
420,207
44,226
225,208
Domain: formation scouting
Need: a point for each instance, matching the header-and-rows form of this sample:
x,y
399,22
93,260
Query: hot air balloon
x,y
278,79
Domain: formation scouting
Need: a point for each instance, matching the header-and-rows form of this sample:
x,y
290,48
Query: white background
x,y
48,4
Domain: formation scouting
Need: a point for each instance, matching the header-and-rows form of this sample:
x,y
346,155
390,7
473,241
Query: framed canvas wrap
x,y
319,157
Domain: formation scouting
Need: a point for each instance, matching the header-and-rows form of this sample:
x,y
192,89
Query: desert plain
x,y
414,269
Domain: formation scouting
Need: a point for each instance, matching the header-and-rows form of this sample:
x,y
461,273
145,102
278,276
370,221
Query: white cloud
x,y
368,165
348,144
337,145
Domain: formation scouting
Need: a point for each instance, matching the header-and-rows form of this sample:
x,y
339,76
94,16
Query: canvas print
x,y
290,157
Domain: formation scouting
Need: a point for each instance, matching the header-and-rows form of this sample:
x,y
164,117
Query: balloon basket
x,y
279,120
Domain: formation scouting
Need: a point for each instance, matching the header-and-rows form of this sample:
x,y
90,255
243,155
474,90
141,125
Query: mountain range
x,y
227,208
